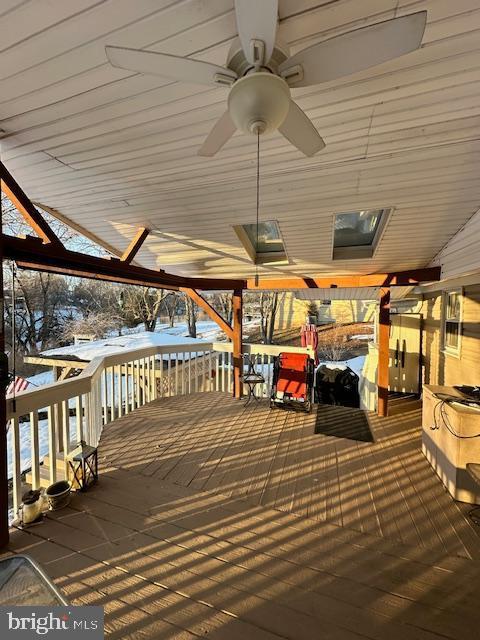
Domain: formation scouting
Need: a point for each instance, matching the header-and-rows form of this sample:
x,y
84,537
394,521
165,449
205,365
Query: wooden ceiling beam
x,y
134,247
400,278
31,253
209,310
22,203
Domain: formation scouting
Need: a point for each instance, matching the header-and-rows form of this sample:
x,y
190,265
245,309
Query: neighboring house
x,y
293,311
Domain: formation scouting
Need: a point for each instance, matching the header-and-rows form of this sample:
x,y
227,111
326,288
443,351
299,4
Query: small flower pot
x,y
58,495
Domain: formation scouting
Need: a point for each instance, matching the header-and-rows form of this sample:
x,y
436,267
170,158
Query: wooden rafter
x,y
31,253
134,247
209,310
55,213
399,278
22,203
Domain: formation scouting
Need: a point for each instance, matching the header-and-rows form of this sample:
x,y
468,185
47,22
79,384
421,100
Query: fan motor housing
x,y
259,102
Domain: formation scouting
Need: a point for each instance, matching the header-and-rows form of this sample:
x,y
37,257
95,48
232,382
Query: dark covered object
x,y
337,386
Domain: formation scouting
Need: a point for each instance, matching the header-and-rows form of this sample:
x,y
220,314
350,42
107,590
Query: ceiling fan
x,y
261,71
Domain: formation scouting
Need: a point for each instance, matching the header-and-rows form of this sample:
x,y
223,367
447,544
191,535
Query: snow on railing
x,y
46,424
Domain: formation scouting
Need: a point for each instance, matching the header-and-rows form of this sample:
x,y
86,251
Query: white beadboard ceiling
x,y
113,151
353,293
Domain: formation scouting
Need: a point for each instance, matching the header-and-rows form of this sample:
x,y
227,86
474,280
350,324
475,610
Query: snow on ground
x,y
41,379
207,331
108,346
362,336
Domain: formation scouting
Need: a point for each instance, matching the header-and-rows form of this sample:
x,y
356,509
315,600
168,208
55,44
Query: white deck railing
x,y
51,420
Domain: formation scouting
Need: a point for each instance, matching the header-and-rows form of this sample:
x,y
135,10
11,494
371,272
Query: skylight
x,y
356,233
264,247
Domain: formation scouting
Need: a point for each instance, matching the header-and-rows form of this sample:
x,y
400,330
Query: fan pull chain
x,y
258,205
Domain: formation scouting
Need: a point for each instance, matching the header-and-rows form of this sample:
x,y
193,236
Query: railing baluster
x,y
87,403
66,435
169,374
210,373
112,393
79,418
52,442
127,389
99,423
182,370
189,370
138,393
104,390
144,381
177,361
134,385
118,369
35,457
17,471
154,379
160,380
217,372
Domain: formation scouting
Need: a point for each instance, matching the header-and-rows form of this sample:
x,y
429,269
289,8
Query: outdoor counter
x,y
447,453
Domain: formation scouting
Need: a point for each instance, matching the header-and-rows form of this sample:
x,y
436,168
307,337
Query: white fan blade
x,y
173,67
221,133
299,130
257,28
354,51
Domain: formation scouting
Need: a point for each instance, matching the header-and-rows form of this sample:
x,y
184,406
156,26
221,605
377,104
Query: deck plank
x,y
212,519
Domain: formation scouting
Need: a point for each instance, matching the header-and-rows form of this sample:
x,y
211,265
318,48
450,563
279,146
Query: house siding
x,y
440,367
292,312
461,256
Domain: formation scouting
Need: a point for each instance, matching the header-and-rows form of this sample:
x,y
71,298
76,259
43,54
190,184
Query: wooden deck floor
x,y
333,465
223,521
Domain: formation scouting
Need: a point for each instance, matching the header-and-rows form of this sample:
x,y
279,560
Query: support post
x,y
3,413
383,352
237,342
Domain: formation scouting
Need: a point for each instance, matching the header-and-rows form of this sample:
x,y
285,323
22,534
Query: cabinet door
x,y
409,353
394,352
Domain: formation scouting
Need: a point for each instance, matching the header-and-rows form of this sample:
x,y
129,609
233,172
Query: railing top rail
x,y
46,395
265,349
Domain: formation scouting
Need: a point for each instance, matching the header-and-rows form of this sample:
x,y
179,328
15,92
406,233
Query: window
x,y
452,321
356,233
265,245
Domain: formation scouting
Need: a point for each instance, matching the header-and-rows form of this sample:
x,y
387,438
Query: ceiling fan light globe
x,y
259,103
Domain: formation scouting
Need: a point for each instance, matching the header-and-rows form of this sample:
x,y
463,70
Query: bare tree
x,y
268,307
142,304
222,303
191,313
336,347
42,302
97,325
170,304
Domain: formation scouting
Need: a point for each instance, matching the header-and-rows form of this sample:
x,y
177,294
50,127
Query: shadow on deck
x,y
219,520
